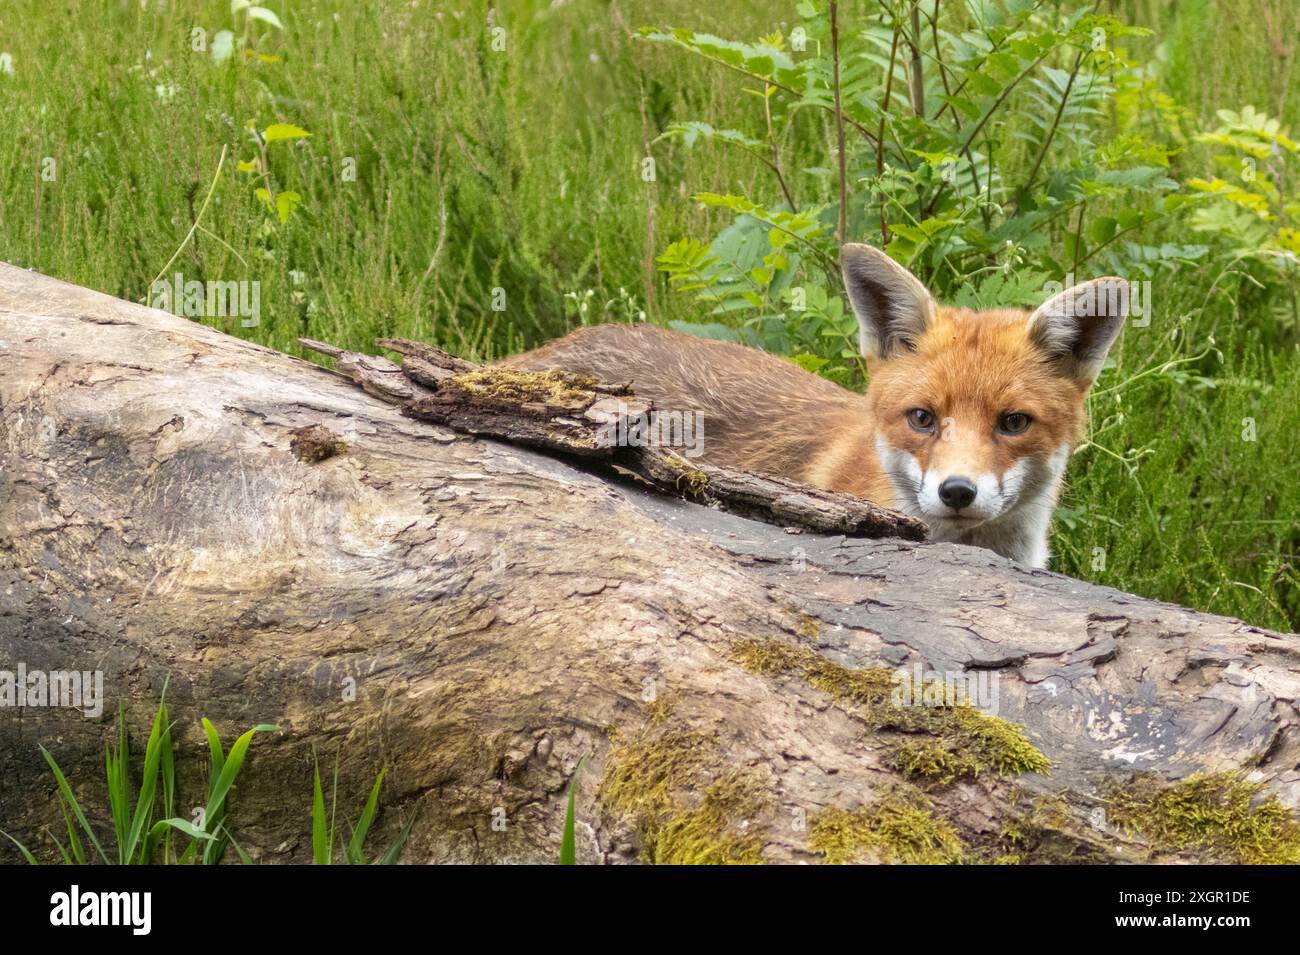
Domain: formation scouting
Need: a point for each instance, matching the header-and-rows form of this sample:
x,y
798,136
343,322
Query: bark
x,y
170,509
579,416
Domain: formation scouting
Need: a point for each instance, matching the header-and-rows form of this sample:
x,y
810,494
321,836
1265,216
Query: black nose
x,y
957,492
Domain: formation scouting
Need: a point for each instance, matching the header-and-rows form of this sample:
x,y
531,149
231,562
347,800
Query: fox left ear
x,y
892,306
1078,325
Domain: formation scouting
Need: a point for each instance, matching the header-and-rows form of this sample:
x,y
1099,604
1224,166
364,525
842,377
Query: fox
x,y
968,420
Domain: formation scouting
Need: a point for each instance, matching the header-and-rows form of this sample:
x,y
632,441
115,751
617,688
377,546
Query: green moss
x,y
963,740
995,743
653,778
767,657
690,480
1220,814
896,829
935,761
1044,832
810,629
523,387
660,710
716,832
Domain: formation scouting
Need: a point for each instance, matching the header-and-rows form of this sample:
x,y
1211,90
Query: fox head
x,y
975,413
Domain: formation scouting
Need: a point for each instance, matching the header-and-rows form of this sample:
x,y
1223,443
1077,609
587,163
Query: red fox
x,y
967,422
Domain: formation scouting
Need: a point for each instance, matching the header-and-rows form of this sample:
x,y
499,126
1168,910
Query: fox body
x,y
967,422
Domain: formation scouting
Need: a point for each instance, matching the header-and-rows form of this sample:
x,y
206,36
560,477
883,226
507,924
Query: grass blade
x,y
244,857
568,842
164,826
116,763
334,807
71,803
169,787
74,843
217,754
354,852
31,859
59,845
148,785
168,773
234,761
395,850
318,837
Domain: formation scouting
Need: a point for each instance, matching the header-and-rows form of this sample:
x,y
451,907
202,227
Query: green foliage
x,y
900,828
144,822
1253,212
140,833
223,769
1220,814
324,832
984,209
568,841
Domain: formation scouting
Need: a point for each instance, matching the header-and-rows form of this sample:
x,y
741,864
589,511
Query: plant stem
x,y
776,153
1060,110
202,209
841,226
1078,237
918,74
880,145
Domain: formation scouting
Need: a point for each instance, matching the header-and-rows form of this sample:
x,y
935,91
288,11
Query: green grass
x,y
530,152
519,167
144,820
143,834
325,832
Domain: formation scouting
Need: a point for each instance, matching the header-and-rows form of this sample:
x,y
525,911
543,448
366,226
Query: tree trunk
x,y
477,617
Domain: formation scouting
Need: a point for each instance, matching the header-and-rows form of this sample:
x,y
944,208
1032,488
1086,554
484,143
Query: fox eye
x,y
920,419
1015,422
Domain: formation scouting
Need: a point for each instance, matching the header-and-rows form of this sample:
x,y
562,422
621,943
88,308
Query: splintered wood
x,y
606,423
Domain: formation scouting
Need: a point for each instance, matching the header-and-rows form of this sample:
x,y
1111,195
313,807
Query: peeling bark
x,y
504,614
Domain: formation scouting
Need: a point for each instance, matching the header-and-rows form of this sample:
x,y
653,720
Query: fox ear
x,y
892,306
1078,326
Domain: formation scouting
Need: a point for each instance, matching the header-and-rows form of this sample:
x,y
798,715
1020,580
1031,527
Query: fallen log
x,y
478,616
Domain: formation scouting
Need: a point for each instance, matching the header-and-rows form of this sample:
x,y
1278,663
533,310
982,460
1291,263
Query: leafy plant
x,y
624,307
248,17
927,166
568,841
139,832
323,830
280,204
223,769
1250,207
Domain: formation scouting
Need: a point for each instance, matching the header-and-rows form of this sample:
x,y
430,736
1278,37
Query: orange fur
x,y
968,371
763,413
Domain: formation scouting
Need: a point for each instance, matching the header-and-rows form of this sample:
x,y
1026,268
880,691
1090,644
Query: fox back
x,y
760,413
967,422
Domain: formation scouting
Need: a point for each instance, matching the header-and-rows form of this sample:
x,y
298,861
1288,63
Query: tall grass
x,y
143,816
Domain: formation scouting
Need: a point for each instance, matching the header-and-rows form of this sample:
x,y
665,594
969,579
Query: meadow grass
x,y
442,174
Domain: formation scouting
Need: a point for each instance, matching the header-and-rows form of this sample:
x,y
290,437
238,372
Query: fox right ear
x,y
1078,325
892,306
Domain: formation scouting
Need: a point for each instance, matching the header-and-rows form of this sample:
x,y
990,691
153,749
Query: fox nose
x,y
957,492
